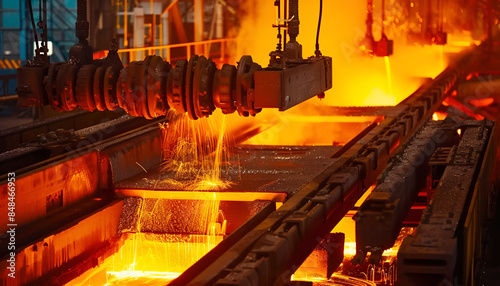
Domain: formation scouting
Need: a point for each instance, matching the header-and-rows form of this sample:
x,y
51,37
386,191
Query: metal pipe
x,y
82,25
293,25
199,27
125,23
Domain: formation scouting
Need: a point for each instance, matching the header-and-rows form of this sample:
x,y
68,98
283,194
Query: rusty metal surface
x,y
431,254
322,189
55,251
286,88
253,168
55,195
270,253
184,216
53,188
45,146
12,138
380,217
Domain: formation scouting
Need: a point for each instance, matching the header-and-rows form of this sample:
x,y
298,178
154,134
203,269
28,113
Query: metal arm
x,y
150,87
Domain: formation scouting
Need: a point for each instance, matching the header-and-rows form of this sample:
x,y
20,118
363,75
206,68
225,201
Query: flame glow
x,y
389,75
292,128
158,259
483,102
358,79
195,152
147,258
347,273
435,117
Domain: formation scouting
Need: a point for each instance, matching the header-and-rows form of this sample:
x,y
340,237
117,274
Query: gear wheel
x,y
189,86
99,89
176,87
202,87
84,90
51,86
109,88
66,82
224,88
244,86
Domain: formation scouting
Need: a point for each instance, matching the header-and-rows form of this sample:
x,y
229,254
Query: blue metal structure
x,y
17,40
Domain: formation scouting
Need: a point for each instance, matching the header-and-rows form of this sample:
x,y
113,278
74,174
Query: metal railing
x,y
220,47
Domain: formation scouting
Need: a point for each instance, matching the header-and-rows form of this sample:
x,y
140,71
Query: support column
x,y
165,35
176,17
198,24
219,20
138,33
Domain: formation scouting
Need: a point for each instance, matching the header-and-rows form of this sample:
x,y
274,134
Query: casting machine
x,y
150,87
154,194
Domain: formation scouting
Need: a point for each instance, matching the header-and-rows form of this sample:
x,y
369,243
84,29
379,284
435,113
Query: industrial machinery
x,y
146,175
383,47
150,87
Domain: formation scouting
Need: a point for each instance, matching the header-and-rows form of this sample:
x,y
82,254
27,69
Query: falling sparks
x,y
195,152
144,169
194,156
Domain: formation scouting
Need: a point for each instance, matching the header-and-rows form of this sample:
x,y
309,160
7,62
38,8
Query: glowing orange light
x,y
194,151
347,226
389,76
439,115
347,48
459,132
336,279
296,129
156,257
483,102
460,43
194,195
451,101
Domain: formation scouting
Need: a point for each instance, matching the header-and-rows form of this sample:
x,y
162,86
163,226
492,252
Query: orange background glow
x,y
358,79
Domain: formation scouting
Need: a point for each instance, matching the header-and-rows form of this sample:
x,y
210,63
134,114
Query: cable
x,y
33,23
318,52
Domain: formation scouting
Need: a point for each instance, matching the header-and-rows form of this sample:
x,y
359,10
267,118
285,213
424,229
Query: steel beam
x,y
271,253
199,24
431,254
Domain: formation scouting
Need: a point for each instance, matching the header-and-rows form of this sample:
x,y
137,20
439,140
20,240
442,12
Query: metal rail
x,y
271,252
167,49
